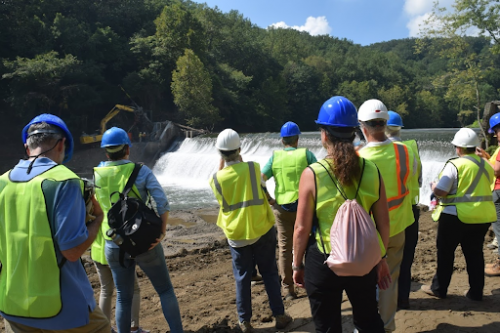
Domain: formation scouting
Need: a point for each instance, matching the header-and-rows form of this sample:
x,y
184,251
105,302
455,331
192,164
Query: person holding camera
x,y
112,176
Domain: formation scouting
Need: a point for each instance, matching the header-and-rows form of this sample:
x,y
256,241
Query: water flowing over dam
x,y
184,172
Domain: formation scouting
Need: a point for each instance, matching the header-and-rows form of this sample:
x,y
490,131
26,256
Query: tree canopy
x,y
196,65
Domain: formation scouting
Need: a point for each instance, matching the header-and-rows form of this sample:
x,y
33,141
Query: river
x,y
184,171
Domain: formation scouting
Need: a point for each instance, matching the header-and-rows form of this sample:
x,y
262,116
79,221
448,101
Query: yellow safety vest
x,y
30,279
109,179
287,168
395,162
244,211
329,199
473,199
414,185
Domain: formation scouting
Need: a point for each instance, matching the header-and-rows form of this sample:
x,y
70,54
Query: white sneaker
x,y
493,245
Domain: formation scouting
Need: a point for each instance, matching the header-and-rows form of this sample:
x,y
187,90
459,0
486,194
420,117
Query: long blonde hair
x,y
345,164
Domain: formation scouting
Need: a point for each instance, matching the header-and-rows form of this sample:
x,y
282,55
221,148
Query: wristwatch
x,y
298,268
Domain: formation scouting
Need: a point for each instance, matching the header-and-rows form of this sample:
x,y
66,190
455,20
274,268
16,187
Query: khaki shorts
x,y
98,323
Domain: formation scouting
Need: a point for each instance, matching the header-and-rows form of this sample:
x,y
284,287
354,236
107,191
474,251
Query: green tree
x,y
192,91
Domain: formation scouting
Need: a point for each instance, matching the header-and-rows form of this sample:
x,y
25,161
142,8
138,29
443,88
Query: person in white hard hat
x,y
247,220
396,164
464,213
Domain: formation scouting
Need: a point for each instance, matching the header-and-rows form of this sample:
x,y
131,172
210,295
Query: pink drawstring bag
x,y
355,248
354,241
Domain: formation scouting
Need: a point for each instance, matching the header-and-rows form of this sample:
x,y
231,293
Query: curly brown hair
x,y
345,164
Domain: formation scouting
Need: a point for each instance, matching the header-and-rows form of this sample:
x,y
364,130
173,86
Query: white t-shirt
x,y
449,183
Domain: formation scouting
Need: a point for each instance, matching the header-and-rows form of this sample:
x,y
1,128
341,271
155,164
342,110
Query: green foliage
x,y
192,90
197,65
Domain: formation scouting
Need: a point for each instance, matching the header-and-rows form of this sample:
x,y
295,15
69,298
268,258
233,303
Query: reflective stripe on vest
x,y
472,187
244,213
255,201
287,168
403,171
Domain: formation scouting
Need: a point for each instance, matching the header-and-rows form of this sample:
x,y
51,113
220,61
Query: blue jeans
x,y
154,266
264,253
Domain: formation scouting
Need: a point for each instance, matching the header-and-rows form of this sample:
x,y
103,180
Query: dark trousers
x,y
411,240
451,232
325,288
262,253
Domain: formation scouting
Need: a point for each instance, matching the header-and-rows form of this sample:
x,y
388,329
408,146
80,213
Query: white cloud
x,y
418,11
314,25
415,23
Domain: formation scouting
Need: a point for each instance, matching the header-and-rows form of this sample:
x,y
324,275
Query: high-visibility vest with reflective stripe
x,y
329,199
30,279
244,211
395,162
414,185
109,179
287,168
473,199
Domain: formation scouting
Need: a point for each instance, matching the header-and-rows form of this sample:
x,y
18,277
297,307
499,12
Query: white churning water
x,y
184,172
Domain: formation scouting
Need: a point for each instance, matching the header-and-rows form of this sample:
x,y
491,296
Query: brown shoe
x,y
497,262
493,270
427,289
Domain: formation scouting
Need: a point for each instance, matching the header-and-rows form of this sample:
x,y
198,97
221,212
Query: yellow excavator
x,y
89,138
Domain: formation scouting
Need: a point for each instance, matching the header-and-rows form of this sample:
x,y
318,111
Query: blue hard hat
x,y
289,129
338,111
56,121
494,121
115,137
394,119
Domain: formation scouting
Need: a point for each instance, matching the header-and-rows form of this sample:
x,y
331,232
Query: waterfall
x,y
184,172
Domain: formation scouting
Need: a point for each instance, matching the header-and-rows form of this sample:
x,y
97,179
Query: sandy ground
x,y
199,262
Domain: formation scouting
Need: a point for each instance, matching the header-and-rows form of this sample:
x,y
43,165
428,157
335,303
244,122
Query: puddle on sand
x,y
176,221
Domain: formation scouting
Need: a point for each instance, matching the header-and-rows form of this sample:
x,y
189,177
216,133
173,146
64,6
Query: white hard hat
x,y
466,138
372,109
228,140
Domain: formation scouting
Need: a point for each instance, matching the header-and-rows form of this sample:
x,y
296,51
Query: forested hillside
x,y
199,66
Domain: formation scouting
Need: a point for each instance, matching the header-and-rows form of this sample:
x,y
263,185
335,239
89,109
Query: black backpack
x,y
133,225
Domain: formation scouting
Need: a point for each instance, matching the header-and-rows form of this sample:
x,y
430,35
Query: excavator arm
x,y
86,138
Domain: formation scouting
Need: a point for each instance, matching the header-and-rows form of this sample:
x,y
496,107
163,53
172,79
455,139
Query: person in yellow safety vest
x,y
247,220
111,176
319,201
43,285
286,166
396,164
494,268
464,213
393,131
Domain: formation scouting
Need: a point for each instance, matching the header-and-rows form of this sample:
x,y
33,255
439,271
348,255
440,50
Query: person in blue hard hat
x,y
110,176
42,216
393,131
286,166
319,201
494,268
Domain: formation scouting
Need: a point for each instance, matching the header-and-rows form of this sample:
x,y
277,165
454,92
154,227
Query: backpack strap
x,y
315,217
132,178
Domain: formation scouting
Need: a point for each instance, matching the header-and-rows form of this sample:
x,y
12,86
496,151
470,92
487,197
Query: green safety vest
x,y
244,211
329,199
109,179
395,162
414,185
30,279
473,199
287,168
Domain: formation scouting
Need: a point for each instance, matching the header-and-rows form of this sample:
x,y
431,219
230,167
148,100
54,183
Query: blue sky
x,y
362,21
